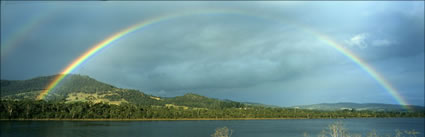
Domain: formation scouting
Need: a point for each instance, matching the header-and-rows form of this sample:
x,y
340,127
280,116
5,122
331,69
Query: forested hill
x,y
80,88
10,87
82,97
71,83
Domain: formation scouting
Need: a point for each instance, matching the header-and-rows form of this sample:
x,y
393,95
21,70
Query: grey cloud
x,y
202,60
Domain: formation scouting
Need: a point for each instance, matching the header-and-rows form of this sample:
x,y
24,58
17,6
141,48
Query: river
x,y
204,128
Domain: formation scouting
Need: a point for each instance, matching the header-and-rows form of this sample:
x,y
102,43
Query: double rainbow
x,y
117,36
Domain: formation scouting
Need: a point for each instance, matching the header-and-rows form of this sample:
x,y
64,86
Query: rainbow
x,y
103,44
119,35
366,67
34,22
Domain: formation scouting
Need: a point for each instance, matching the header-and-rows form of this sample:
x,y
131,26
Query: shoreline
x,y
184,119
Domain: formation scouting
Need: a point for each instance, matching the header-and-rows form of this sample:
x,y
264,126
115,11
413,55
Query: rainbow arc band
x,y
144,24
9,44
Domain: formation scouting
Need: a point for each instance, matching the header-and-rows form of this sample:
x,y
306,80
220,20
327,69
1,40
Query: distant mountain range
x,y
75,88
357,106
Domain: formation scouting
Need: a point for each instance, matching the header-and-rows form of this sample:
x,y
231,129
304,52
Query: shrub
x,y
337,129
222,132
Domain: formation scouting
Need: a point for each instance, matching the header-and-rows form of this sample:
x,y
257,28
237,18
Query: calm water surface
x,y
242,128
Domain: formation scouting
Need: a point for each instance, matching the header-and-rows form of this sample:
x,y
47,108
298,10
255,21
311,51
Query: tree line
x,y
40,109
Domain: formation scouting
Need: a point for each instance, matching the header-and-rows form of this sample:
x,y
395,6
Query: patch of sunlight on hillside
x,y
93,97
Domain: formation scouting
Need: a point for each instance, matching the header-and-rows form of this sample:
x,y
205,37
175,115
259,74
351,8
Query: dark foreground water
x,y
242,128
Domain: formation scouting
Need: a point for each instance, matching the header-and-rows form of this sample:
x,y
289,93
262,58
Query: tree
x,y
27,110
10,107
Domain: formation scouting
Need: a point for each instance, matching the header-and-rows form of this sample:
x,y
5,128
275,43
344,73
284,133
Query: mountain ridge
x,y
82,88
357,106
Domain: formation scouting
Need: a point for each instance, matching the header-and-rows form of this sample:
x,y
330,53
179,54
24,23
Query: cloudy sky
x,y
244,51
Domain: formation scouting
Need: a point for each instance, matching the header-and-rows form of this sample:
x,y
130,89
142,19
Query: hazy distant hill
x,y
199,101
357,106
259,104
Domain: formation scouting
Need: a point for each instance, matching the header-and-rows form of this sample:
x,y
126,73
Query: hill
x,y
73,88
80,88
82,97
11,87
198,101
357,106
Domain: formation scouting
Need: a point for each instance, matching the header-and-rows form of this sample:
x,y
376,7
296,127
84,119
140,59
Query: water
x,y
242,128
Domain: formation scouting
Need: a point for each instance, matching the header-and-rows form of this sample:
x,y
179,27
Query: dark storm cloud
x,y
240,57
206,58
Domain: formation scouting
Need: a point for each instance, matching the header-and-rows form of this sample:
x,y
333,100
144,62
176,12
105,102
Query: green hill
x,y
199,101
81,88
70,84
73,88
11,87
82,97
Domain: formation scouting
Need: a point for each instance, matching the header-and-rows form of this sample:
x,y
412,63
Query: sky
x,y
262,52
